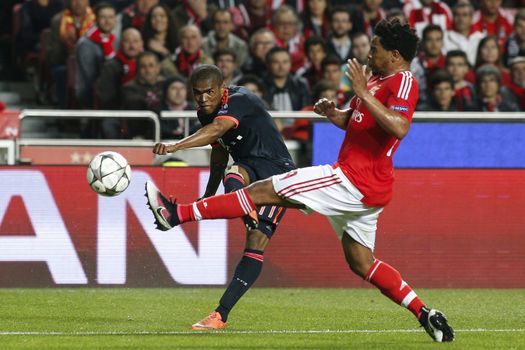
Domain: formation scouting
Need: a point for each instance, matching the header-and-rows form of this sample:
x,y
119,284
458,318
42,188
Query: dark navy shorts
x,y
260,169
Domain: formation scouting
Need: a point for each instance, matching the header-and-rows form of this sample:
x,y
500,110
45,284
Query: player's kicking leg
x,y
389,281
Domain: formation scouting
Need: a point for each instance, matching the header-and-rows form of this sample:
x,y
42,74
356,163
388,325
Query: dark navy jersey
x,y
255,134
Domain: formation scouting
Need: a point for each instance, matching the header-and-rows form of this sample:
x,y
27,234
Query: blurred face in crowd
x,y
489,86
361,48
519,29
330,95
207,95
257,4
443,94
106,19
489,53
262,43
433,43
177,93
191,39
159,20
226,64
254,88
426,3
372,5
517,72
280,65
199,7
333,73
462,19
458,68
317,7
78,7
316,54
490,7
131,44
286,25
148,69
222,24
144,6
340,24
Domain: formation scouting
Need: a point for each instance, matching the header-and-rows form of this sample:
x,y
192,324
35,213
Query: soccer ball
x,y
109,173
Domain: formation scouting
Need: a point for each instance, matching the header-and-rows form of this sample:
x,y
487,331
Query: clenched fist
x,y
324,107
164,148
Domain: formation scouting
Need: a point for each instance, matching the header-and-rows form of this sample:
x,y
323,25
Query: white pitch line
x,y
291,331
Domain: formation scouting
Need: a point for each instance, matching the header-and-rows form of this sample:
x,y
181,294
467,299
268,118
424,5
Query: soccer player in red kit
x,y
353,191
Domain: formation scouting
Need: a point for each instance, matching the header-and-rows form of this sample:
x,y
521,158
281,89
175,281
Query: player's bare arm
x,y
336,116
392,122
204,136
218,162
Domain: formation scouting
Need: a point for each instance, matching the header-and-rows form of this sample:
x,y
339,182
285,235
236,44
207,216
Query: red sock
x,y
225,206
390,283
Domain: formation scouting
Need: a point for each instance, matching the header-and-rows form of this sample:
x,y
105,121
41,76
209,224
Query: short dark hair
x,y
440,76
357,35
221,11
337,9
102,6
207,72
393,35
431,28
330,60
322,86
273,51
251,79
456,53
224,52
147,54
313,41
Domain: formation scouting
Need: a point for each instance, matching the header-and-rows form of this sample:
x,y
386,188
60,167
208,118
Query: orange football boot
x,y
212,321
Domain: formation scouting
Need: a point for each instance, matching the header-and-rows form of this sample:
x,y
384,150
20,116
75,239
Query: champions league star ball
x,y
109,174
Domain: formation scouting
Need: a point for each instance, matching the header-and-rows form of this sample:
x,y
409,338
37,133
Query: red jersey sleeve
x,y
404,94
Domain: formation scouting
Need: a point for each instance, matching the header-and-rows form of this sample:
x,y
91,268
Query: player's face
x,y
207,95
378,58
106,20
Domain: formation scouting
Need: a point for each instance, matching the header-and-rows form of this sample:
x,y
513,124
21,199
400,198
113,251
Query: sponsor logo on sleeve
x,y
399,108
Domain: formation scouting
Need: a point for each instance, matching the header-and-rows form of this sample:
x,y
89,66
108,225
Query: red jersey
x,y
366,154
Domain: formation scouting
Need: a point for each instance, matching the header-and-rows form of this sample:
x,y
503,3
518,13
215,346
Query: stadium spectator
x,y
458,66
91,51
515,44
491,20
251,16
135,14
223,4
175,93
492,97
159,32
282,90
315,50
35,16
431,12
189,55
260,43
396,13
429,59
463,36
441,93
353,191
315,18
369,14
517,72
221,37
225,59
489,53
333,72
118,70
285,25
246,131
360,47
252,83
338,42
194,12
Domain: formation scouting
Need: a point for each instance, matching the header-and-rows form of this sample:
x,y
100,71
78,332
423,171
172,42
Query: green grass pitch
x,y
264,319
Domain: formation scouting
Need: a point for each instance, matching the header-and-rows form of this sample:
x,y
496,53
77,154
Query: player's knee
x,y
233,179
359,266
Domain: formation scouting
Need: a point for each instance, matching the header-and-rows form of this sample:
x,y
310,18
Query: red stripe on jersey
x,y
310,187
306,183
230,118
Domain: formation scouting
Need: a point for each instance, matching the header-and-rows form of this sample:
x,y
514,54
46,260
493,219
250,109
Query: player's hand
x,y
358,76
164,148
324,107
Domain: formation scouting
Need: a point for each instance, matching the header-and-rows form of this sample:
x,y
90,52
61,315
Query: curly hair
x,y
393,35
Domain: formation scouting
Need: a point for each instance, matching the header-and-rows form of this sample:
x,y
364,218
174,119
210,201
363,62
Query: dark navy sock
x,y
247,271
232,182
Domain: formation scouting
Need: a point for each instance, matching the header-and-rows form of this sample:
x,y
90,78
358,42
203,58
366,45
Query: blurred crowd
x,y
138,55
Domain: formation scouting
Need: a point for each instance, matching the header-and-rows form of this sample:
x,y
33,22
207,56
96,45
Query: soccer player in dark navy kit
x,y
235,122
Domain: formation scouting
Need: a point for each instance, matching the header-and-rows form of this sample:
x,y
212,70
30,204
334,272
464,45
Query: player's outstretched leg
x,y
170,214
